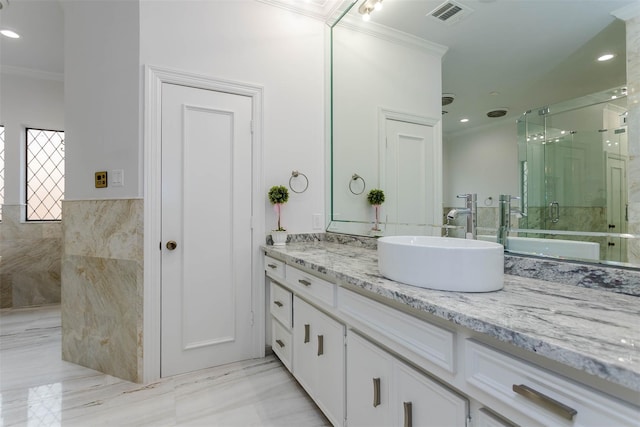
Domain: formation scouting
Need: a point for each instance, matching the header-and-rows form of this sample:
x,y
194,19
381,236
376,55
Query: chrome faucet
x,y
470,210
504,215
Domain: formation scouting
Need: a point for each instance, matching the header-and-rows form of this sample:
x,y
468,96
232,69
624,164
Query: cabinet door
x,y
368,383
304,350
329,345
424,402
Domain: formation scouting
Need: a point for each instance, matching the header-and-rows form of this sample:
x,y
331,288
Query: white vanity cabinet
x,y
384,391
318,358
367,361
542,396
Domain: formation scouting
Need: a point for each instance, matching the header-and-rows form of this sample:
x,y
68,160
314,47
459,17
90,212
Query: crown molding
x,y
317,9
32,73
392,35
628,12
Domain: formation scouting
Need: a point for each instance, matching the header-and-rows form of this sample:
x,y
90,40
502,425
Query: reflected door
x,y
616,206
410,178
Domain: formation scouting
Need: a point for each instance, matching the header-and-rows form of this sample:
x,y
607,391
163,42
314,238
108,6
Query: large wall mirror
x,y
470,83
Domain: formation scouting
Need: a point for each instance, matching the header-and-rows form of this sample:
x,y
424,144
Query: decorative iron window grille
x,y
1,169
45,174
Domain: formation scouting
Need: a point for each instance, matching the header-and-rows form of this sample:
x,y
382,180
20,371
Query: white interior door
x,y
409,178
616,206
206,315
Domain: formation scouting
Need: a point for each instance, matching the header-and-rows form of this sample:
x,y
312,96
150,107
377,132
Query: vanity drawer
x,y
280,304
394,328
281,343
313,287
541,395
274,267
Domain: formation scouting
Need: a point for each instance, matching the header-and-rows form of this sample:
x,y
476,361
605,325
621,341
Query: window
x,y
1,169
45,174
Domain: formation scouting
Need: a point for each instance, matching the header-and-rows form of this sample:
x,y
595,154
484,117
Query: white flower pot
x,y
279,238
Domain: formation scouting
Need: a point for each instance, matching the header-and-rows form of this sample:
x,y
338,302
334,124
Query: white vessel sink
x,y
442,263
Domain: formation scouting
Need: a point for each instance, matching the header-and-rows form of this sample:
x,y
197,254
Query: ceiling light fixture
x,y
369,6
9,33
606,57
465,120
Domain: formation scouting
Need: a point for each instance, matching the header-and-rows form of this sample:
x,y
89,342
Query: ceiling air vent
x,y
450,12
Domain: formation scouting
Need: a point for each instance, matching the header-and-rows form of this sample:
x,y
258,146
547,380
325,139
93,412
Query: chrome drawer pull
x,y
304,282
408,418
545,401
376,392
272,266
278,303
320,345
306,333
280,343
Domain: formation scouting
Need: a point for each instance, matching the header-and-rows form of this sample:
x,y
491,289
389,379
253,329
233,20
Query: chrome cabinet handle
x,y
320,345
280,343
306,333
545,401
376,392
278,303
304,282
408,416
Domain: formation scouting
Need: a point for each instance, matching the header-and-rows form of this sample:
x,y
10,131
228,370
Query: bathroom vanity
x,y
374,352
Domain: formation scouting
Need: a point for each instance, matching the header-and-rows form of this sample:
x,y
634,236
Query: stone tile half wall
x,y
102,285
31,255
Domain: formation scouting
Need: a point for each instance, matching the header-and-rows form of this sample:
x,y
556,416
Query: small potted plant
x,y
278,195
376,198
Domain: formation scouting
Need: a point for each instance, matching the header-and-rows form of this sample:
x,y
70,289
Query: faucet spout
x,y
470,210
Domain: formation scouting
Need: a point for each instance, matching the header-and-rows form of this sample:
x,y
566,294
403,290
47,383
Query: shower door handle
x,y
554,212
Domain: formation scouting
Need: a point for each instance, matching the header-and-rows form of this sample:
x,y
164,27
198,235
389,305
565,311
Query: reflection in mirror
x,y
386,131
381,76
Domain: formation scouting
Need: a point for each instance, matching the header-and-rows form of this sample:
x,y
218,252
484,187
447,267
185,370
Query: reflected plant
x,y
376,198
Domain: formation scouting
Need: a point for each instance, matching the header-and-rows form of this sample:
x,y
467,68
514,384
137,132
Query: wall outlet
x,y
316,220
101,179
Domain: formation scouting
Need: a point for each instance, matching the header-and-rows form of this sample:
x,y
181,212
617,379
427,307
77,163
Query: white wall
x,y
102,97
483,161
250,42
26,102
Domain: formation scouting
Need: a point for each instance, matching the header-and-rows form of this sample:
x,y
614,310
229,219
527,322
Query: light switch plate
x,y
117,178
101,179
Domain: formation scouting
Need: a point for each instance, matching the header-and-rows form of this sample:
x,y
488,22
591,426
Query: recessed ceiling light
x,y
606,57
9,33
465,120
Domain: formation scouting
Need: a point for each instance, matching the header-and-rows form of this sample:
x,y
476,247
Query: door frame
x,y
152,190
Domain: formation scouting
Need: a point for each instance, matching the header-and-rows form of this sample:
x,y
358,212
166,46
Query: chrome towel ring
x,y
296,174
355,177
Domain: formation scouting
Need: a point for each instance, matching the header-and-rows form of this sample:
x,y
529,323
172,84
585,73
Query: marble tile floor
x,y
37,388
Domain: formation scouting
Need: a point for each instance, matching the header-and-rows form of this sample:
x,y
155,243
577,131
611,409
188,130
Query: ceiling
x,y
516,54
513,54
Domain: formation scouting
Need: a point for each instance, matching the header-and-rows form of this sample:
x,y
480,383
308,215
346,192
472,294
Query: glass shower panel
x,y
573,161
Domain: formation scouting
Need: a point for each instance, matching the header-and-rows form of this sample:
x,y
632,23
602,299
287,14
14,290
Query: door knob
x,y
171,245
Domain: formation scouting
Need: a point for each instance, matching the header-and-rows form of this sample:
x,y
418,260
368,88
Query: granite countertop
x,y
592,330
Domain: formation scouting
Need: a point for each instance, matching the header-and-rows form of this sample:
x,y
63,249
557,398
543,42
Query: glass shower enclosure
x,y
573,180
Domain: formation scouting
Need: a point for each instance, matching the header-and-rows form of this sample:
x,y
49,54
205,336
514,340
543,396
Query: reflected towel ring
x,y
354,178
295,174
